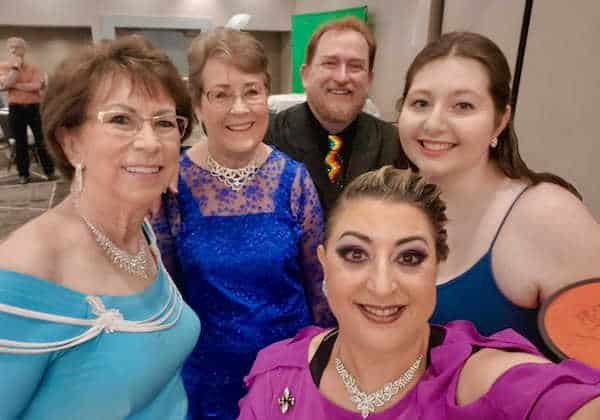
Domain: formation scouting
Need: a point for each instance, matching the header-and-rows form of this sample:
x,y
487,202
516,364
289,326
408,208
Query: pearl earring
x,y
494,143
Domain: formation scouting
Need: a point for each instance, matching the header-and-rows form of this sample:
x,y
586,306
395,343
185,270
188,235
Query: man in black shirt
x,y
336,76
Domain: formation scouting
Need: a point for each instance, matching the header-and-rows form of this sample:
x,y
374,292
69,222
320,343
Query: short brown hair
x,y
398,186
76,80
350,23
240,48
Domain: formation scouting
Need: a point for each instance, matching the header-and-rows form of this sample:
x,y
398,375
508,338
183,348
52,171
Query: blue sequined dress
x,y
246,263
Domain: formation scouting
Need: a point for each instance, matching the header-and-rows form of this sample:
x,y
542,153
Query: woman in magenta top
x,y
383,242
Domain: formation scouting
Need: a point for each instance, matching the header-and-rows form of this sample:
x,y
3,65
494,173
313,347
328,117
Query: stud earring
x,y
494,143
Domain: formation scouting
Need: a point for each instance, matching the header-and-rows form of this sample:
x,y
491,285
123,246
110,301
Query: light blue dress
x,y
116,375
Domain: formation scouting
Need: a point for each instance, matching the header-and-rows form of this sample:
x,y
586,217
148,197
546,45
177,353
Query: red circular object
x,y
569,322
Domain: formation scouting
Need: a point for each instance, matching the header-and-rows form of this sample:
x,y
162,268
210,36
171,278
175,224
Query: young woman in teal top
x,y
92,326
515,236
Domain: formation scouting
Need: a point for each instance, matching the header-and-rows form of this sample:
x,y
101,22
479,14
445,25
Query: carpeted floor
x,y
21,203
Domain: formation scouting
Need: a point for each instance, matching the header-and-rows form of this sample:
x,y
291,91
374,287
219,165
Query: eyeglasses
x,y
127,124
225,98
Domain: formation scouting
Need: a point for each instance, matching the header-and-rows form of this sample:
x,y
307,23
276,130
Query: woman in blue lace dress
x,y
240,237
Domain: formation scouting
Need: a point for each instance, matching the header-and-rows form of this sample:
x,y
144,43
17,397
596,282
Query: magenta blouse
x,y
529,390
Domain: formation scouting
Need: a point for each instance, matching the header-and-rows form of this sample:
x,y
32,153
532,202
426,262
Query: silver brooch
x,y
286,401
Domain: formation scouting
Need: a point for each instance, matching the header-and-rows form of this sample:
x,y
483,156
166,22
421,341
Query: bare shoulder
x,y
550,240
484,368
35,247
549,201
548,216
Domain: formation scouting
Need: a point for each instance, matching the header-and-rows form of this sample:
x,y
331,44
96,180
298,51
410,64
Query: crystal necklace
x,y
366,403
132,264
235,179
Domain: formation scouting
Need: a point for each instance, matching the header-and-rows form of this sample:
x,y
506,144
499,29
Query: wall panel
x,y
557,112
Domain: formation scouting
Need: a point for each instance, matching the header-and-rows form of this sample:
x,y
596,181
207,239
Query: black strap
x,y
321,358
507,214
323,354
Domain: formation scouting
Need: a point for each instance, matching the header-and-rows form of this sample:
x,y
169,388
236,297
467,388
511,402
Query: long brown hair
x,y
485,51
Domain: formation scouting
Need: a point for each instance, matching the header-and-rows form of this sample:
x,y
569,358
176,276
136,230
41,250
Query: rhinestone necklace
x,y
132,264
235,179
366,403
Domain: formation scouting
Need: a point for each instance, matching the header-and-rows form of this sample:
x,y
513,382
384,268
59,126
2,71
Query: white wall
x,y
401,28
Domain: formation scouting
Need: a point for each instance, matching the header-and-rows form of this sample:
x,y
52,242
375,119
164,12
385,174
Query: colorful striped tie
x,y
332,160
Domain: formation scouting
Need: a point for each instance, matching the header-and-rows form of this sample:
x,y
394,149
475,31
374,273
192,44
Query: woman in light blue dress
x,y
91,325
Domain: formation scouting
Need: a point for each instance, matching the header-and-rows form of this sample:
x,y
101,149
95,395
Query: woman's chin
x,y
141,199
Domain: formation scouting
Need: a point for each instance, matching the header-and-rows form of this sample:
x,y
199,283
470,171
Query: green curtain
x,y
303,26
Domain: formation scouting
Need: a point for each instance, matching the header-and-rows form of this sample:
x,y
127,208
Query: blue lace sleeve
x,y
306,200
165,225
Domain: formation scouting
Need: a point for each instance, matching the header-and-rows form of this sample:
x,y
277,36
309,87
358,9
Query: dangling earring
x,y
324,287
494,143
77,183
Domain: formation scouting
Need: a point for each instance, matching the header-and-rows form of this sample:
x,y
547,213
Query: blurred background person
x,y
384,240
24,82
92,325
240,236
515,235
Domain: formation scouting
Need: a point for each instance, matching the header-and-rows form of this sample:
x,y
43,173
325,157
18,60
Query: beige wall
x,y
557,110
286,62
401,28
499,20
177,42
272,42
268,15
54,28
47,47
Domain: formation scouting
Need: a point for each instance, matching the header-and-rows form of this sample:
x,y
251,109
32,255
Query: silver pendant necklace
x,y
366,403
132,264
236,179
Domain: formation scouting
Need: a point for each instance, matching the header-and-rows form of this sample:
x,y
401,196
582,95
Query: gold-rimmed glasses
x,y
124,123
254,94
